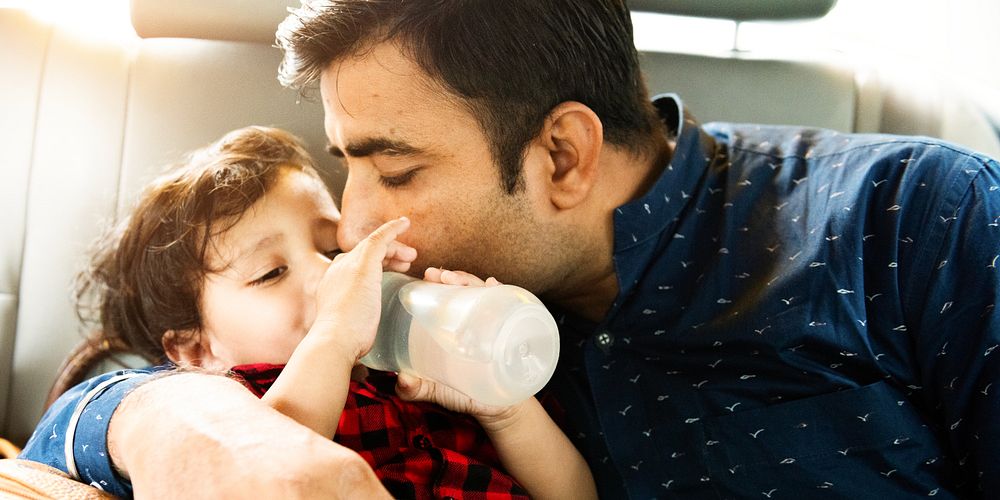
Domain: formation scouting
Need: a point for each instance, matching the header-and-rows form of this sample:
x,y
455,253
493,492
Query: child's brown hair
x,y
145,276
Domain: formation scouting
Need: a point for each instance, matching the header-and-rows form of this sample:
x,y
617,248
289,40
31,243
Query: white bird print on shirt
x,y
769,493
754,434
864,418
986,389
876,184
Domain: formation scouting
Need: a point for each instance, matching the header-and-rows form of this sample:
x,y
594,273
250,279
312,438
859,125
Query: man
x,y
745,311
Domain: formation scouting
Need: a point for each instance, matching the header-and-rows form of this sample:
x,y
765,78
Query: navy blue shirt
x,y
802,314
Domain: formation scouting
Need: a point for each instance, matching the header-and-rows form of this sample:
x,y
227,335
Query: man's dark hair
x,y
509,61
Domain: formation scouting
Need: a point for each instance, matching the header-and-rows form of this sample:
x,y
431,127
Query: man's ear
x,y
187,347
573,137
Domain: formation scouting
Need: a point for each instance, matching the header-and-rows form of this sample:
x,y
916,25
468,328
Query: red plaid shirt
x,y
418,450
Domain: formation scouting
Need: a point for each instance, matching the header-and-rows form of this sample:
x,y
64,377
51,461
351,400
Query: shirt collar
x,y
646,219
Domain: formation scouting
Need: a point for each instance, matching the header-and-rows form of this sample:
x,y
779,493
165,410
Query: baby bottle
x,y
495,344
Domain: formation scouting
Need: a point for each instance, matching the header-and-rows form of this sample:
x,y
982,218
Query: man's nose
x,y
359,215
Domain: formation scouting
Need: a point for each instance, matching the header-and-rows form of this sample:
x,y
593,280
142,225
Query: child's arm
x,y
530,445
553,468
312,388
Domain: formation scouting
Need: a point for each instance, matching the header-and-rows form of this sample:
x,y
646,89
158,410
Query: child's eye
x,y
330,254
270,275
398,180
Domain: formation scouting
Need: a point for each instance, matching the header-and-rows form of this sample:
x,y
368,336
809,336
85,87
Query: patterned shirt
x,y
802,314
417,450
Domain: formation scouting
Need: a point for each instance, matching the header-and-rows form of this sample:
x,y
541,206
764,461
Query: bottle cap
x,y
527,350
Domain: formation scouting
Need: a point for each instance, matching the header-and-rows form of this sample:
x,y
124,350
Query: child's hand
x,y
349,296
412,388
447,277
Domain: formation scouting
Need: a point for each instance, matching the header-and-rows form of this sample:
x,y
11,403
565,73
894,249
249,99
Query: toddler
x,y
230,263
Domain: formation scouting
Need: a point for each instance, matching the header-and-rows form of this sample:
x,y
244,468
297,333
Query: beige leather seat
x,y
86,122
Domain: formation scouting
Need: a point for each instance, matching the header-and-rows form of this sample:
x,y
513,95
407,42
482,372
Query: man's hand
x,y
195,435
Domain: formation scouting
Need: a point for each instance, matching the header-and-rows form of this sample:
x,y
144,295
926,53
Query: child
x,y
230,263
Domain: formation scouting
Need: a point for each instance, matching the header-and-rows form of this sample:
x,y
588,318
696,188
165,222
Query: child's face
x,y
262,303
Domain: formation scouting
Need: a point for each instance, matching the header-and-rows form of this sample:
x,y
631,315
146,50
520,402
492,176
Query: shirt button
x,y
604,340
421,442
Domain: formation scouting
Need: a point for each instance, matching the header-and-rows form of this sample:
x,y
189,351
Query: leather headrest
x,y
738,10
235,20
257,20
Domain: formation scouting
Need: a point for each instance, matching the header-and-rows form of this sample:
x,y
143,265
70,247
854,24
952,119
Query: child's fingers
x,y
401,252
459,278
410,388
377,243
450,277
432,274
395,265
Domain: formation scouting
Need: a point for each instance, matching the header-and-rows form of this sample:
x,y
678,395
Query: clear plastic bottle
x,y
496,344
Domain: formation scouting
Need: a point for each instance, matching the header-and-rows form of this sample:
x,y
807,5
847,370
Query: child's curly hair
x,y
145,275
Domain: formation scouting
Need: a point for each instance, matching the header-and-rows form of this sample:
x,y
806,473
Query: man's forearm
x,y
193,434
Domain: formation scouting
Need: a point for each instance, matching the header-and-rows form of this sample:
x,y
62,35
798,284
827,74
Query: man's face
x,y
412,150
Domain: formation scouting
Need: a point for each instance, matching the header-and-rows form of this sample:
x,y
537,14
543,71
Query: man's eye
x,y
398,180
270,275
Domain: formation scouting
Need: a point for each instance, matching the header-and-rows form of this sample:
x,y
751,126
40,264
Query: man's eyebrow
x,y
375,145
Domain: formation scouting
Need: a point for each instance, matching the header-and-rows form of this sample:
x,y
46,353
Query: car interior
x,y
87,120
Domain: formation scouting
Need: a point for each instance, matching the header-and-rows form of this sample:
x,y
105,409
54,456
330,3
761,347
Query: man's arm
x,y
197,435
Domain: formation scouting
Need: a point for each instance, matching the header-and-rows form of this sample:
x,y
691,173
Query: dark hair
x,y
509,61
146,273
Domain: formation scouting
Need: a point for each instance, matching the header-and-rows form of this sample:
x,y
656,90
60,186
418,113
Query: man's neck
x,y
593,288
